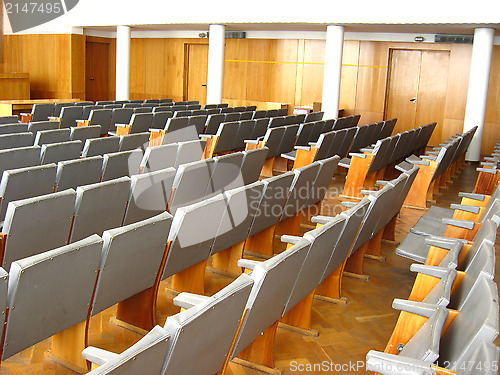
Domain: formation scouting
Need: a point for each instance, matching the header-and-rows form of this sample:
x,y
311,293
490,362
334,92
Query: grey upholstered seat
x,y
119,164
189,151
226,135
100,207
42,112
60,151
260,128
178,129
9,119
226,174
64,279
101,146
19,158
253,161
129,266
120,116
69,115
13,128
244,132
149,194
16,140
159,157
51,136
327,168
18,184
83,133
36,126
101,117
140,122
50,213
78,172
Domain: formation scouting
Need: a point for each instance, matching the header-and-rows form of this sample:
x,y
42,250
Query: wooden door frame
x,y
185,84
109,42
389,65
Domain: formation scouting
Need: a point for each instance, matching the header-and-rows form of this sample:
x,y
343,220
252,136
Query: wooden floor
x,y
346,333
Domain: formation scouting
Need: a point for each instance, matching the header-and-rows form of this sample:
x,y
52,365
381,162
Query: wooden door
x,y
416,89
97,71
195,80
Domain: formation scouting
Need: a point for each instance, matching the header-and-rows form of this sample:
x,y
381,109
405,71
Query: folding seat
x,y
250,108
112,106
314,116
304,134
198,122
9,119
132,105
59,106
164,108
271,140
388,127
134,141
193,107
239,109
159,157
231,117
209,106
183,114
52,136
288,140
359,139
56,152
101,146
199,112
304,155
227,110
154,101
68,116
120,164
131,260
19,184
83,133
274,113
246,116
260,128
259,114
13,128
273,283
226,174
327,168
19,158
192,252
50,213
244,132
223,140
139,123
99,207
342,123
149,194
191,183
189,151
274,122
213,122
64,279
120,116
179,107
101,117
42,125
159,120
253,161
78,172
104,102
39,112
16,140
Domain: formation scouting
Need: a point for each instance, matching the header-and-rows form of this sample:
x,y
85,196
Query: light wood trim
x,y
303,157
225,262
123,130
260,351
261,243
190,280
419,191
355,179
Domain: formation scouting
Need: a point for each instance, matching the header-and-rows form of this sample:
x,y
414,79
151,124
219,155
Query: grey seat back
x,y
342,246
52,136
36,126
128,266
380,153
316,130
314,116
100,207
64,279
327,168
304,134
288,140
19,158
42,112
184,328
159,120
120,164
300,189
260,128
16,140
388,127
120,116
253,161
89,108
13,128
337,142
187,250
100,146
359,139
347,142
178,130
272,140
9,119
273,283
43,215
242,204
476,321
69,115
226,174
56,152
83,133
213,122
189,151
146,356
198,122
149,194
260,114
246,115
232,117
275,194
322,243
78,172
225,136
159,157
134,141
244,132
324,144
101,117
140,122
18,184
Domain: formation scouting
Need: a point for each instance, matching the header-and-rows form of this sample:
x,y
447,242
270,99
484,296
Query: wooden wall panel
x,y
235,72
458,81
174,69
349,77
78,66
283,54
137,68
313,70
154,67
258,54
493,106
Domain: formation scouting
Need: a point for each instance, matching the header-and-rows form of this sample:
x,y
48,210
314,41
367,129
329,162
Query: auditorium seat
x,y
9,119
39,112
159,157
78,172
139,123
60,151
68,116
13,128
36,126
134,141
19,158
52,136
16,140
120,164
253,161
100,146
83,133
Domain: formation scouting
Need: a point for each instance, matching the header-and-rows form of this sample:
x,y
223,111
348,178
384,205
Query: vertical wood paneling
x,y
458,82
349,77
235,72
283,76
137,68
312,76
258,73
154,67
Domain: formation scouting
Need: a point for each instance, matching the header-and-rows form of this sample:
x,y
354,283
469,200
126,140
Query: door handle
x,y
205,85
413,100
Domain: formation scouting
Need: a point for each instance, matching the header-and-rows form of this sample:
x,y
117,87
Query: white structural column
x,y
215,73
478,88
122,62
333,68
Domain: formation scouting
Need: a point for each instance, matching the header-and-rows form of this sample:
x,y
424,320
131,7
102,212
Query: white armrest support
x,y
419,308
477,197
464,207
98,356
466,224
247,263
188,300
321,219
290,239
433,271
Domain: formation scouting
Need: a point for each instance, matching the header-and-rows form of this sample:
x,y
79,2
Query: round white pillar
x,y
215,73
332,73
122,62
477,95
